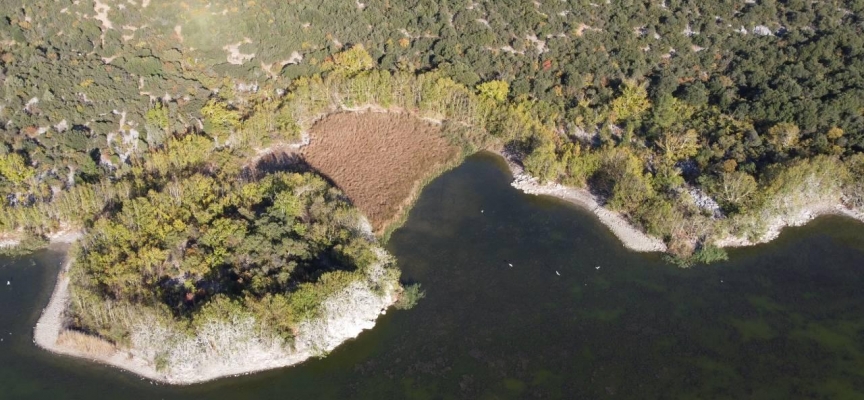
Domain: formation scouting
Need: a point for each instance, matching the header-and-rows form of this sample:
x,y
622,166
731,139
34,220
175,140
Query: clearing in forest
x,y
380,160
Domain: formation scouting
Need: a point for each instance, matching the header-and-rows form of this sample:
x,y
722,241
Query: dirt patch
x,y
380,160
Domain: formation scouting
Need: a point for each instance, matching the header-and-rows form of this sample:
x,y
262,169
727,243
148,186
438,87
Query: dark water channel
x,y
779,321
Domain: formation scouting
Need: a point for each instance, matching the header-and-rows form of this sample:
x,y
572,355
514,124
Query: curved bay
x,y
782,320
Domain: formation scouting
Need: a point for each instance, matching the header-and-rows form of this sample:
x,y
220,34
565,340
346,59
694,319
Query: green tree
x,y
219,119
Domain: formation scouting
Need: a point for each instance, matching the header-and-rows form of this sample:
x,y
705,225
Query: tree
x,y
410,297
14,170
350,61
494,90
669,111
784,136
219,119
632,102
733,190
622,180
543,162
853,190
679,145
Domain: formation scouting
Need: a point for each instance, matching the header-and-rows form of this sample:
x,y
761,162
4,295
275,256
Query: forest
x,y
140,123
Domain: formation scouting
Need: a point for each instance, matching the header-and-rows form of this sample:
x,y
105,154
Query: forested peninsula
x,y
182,141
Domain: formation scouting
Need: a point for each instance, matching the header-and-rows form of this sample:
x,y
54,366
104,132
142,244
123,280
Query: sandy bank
x,y
224,348
630,236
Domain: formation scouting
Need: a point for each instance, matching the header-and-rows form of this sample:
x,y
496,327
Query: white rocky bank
x,y
630,236
237,347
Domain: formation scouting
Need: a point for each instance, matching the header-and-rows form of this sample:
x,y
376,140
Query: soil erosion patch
x,y
380,160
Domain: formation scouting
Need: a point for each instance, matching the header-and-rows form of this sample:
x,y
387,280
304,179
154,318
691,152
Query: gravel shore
x,y
632,238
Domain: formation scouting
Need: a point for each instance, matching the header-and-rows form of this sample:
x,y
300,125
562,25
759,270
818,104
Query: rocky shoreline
x,y
223,349
632,238
802,217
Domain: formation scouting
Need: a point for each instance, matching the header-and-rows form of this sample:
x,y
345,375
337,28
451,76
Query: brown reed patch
x,y
380,160
85,343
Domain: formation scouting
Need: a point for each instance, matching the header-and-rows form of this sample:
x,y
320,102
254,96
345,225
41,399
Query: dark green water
x,y
780,321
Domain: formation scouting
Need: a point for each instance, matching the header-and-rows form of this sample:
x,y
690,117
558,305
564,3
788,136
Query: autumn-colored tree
x,y
632,102
679,145
350,61
496,91
784,136
14,170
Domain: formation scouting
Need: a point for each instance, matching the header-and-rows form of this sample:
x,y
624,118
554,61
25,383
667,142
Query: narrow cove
x,y
780,320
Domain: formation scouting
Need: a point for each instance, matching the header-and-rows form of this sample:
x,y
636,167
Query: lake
x,y
577,316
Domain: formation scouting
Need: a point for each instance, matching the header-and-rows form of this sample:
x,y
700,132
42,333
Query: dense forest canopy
x,y
651,104
277,246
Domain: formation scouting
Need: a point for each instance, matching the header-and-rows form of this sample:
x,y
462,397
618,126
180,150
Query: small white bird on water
x,y
511,265
557,273
597,267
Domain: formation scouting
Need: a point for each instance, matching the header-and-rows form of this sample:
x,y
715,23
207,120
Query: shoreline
x,y
65,235
50,325
780,222
631,237
338,327
634,239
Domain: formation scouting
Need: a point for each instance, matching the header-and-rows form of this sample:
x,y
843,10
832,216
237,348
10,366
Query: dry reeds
x,y
378,159
85,343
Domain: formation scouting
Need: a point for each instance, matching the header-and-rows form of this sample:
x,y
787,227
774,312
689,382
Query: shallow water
x,y
778,321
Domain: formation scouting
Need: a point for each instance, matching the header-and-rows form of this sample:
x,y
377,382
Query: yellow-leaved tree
x,y
494,90
632,102
784,136
679,145
13,168
350,62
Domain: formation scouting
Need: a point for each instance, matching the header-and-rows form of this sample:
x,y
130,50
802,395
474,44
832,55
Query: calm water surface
x,y
780,321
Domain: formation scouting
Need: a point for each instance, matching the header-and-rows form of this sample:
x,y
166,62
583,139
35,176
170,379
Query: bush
x,y
706,254
410,296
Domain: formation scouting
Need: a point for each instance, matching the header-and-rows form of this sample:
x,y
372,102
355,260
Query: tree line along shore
x,y
649,182
151,129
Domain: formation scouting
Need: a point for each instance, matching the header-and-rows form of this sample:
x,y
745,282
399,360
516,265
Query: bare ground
x,y
380,160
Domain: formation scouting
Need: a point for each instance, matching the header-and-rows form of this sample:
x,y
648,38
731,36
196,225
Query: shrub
x,y
410,297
